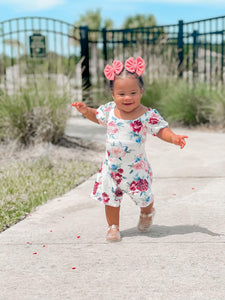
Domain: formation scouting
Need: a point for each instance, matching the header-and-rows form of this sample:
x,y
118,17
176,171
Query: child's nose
x,y
127,97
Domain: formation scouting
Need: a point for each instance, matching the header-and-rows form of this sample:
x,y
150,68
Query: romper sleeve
x,y
155,121
103,111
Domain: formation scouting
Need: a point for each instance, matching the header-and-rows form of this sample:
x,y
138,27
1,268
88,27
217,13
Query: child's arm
x,y
87,112
168,136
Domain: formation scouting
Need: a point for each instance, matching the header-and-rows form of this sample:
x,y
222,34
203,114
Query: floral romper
x,y
125,168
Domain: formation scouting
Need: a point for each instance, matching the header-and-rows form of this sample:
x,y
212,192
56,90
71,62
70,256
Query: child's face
x,y
127,94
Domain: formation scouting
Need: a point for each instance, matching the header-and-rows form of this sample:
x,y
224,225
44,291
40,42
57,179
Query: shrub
x,y
180,103
37,113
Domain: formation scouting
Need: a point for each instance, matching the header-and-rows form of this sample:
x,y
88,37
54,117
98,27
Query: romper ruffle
x,y
125,168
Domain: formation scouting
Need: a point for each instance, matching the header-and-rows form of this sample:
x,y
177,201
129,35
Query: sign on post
x,y
37,45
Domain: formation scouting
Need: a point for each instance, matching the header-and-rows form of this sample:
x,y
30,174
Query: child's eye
x,y
121,94
133,93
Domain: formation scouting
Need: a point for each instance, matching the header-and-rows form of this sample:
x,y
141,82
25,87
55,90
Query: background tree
x,y
152,34
143,30
95,22
139,21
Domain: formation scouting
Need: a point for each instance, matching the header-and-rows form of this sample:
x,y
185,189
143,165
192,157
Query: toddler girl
x,y
125,168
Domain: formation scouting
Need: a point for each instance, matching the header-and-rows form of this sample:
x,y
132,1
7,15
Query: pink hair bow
x,y
116,68
133,66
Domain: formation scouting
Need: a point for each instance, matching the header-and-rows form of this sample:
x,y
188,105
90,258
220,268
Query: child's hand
x,y
81,107
180,140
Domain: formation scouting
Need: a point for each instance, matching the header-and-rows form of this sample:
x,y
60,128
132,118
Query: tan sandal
x,y
145,221
113,234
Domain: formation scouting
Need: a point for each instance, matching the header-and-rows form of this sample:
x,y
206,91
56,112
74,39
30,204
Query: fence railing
x,y
34,49
193,51
76,57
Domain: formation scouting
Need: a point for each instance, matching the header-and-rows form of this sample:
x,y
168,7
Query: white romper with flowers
x,y
125,168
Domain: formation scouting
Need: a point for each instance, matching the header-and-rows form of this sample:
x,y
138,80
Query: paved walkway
x,y
60,252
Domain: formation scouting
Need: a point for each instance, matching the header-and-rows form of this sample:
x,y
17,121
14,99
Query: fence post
x,y
195,53
222,58
180,47
85,72
104,37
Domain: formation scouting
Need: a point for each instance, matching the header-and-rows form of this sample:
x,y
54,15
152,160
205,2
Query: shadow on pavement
x,y
158,231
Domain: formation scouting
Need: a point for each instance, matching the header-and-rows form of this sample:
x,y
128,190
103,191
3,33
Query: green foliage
x,y
139,20
52,64
25,185
6,61
94,20
179,103
37,113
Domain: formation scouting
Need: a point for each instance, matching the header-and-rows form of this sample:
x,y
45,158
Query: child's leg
x,y
148,209
112,215
145,221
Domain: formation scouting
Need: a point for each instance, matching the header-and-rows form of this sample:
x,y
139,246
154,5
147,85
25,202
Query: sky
x,y
165,11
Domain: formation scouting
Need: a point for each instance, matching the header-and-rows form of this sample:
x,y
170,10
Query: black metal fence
x,y
38,49
34,48
193,51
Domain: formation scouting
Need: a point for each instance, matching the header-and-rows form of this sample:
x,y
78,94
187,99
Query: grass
x,y
37,112
25,185
177,102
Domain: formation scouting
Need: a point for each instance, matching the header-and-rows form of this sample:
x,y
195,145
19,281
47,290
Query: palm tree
x,y
95,22
139,21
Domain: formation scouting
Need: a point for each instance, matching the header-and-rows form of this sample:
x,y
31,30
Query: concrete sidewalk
x,y
60,252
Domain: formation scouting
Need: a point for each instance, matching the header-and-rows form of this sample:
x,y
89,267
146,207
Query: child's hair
x,y
132,67
125,74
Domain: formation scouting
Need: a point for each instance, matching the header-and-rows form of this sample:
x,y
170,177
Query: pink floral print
x,y
136,126
117,152
140,185
141,165
117,177
95,187
112,128
125,169
105,198
154,119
